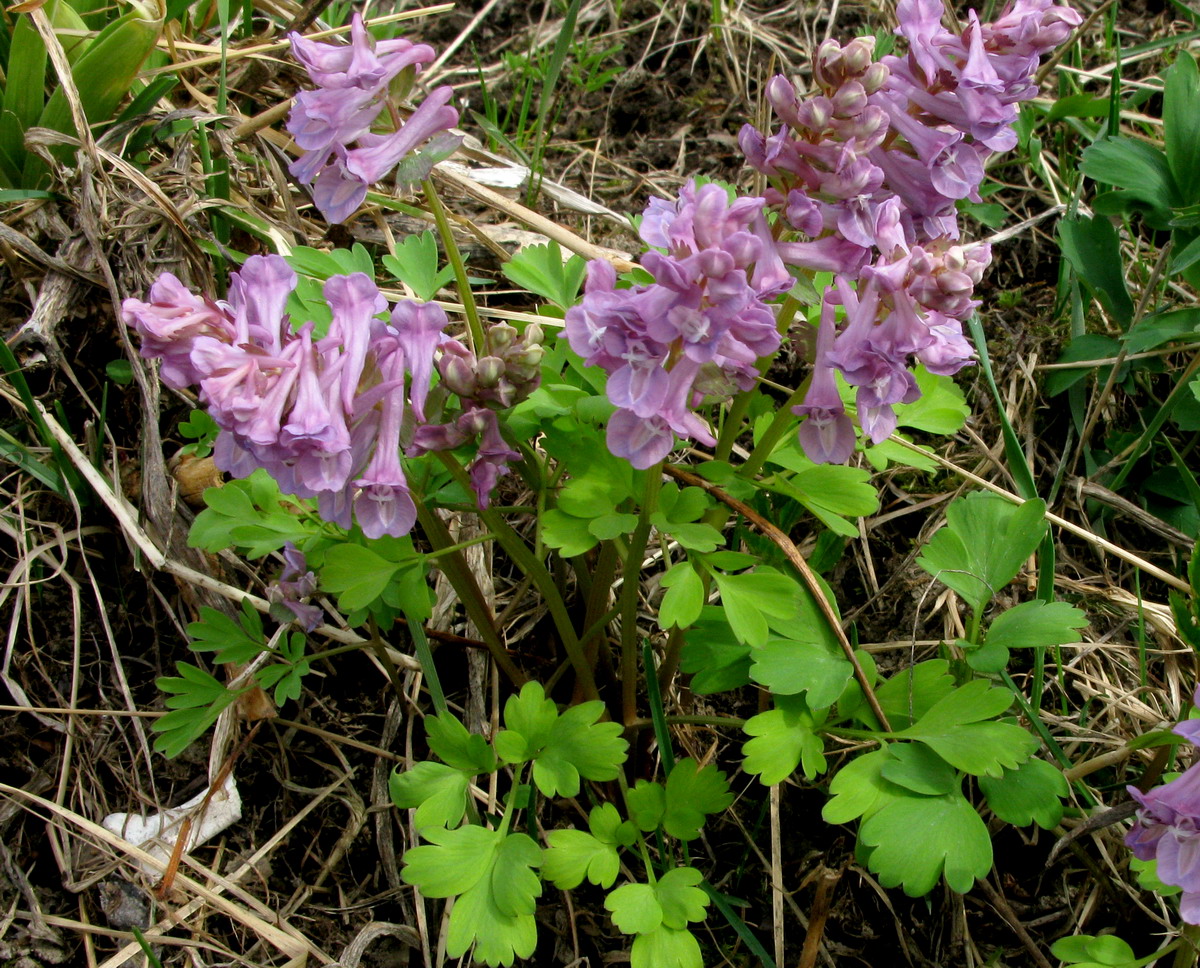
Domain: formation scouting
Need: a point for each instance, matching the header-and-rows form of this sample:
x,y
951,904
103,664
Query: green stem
x,y
732,426
629,594
459,575
465,295
524,558
774,434
425,657
645,851
725,722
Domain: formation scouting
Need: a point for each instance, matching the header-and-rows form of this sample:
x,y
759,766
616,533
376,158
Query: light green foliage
x,y
666,948
239,641
683,601
713,654
1093,249
1031,793
647,802
678,515
455,746
909,694
542,270
692,793
859,789
563,747
919,769
832,492
1031,624
306,303
250,515
588,504
792,666
386,578
416,265
752,597
575,855
783,738
659,914
941,408
917,839
494,875
202,430
437,791
954,729
983,546
286,674
195,699
1103,951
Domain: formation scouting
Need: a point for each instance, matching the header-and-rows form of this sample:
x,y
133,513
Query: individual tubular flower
x,y
704,322
168,324
353,85
295,585
1167,829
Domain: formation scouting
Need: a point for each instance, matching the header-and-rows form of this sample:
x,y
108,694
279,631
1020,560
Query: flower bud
x,y
827,65
489,371
500,337
458,375
875,77
781,95
857,56
815,113
849,100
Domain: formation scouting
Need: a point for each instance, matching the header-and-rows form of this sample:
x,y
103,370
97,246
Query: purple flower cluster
x,y
321,414
1167,828
698,329
867,172
353,84
292,590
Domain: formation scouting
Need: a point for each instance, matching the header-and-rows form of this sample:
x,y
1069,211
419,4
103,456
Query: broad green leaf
x,y
783,738
454,745
1181,124
1028,794
908,695
750,597
356,575
515,886
666,948
195,699
684,598
542,270
612,525
692,793
232,641
919,769
814,668
695,537
941,408
953,729
438,792
495,914
248,514
647,802
608,827
453,861
681,900
568,534
1089,346
918,839
635,908
1035,624
1103,951
859,789
574,855
984,545
416,265
529,719
1092,248
713,654
1138,168
1153,331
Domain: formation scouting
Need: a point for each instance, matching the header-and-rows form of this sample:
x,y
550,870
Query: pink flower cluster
x,y
697,330
353,84
322,414
869,169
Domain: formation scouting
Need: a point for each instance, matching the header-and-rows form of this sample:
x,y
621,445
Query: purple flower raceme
x,y
295,585
1167,828
354,83
703,322
322,414
867,172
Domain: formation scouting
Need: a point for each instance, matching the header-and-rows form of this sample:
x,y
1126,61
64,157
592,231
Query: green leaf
x,y
647,802
567,533
416,265
196,699
908,695
751,597
453,861
612,525
684,598
919,769
1036,624
941,408
240,641
1103,951
357,575
784,737
832,492
247,514
1028,794
541,270
918,839
984,545
1153,331
1092,248
635,908
495,914
563,748
788,667
713,654
1181,125
1138,168
693,792
608,827
1089,346
465,751
953,729
574,855
681,900
438,792
859,789
666,948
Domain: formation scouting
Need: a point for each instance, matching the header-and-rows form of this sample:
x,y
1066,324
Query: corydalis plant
x,y
354,84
